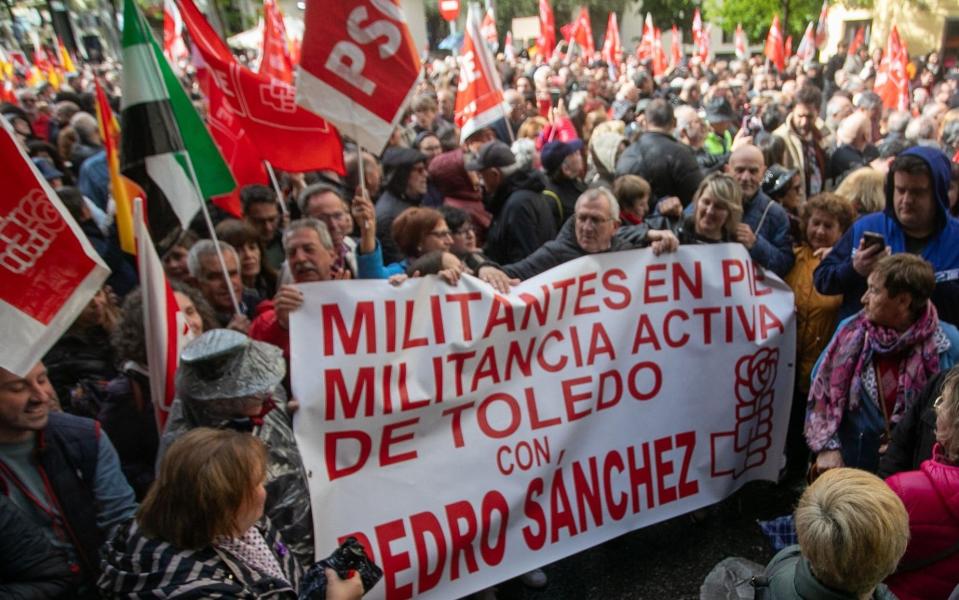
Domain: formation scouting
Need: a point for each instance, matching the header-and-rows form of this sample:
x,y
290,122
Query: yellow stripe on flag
x,y
110,133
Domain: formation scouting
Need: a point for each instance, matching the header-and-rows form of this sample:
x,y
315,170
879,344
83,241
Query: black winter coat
x,y
669,166
556,252
30,567
523,218
915,434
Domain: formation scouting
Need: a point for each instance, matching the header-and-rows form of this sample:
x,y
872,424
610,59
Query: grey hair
x,y
921,128
309,223
898,121
303,200
205,248
85,124
868,100
524,149
601,192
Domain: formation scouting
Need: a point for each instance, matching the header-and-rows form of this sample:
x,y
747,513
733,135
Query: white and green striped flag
x,y
165,146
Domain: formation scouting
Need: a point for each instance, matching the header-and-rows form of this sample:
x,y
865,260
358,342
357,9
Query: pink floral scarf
x,y
840,381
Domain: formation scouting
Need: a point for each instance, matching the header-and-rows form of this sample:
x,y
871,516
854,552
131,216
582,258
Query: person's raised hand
x,y
286,300
829,459
745,236
670,207
864,259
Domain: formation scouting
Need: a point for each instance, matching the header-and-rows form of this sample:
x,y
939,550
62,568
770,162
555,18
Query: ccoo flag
x,y
165,146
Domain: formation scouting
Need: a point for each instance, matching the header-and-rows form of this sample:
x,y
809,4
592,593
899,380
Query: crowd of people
x,y
852,204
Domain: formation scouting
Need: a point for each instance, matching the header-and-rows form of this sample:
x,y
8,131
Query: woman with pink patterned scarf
x,y
877,364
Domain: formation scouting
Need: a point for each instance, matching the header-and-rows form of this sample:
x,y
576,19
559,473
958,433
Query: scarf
x,y
845,370
252,549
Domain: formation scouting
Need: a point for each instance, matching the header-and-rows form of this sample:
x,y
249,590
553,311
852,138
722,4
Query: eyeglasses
x,y
465,230
442,234
937,404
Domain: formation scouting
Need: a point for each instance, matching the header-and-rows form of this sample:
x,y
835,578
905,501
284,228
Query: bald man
x,y
764,229
852,137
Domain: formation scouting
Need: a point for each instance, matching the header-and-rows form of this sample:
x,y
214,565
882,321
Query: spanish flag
x,y
66,61
122,189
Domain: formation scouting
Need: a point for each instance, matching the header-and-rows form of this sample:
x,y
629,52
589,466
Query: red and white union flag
x,y
48,269
359,67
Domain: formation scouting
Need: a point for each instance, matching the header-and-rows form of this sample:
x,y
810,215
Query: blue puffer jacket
x,y
835,275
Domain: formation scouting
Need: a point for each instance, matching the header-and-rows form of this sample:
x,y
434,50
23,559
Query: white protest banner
x,y
466,437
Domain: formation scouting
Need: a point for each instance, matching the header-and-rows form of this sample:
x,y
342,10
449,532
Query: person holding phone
x,y
915,220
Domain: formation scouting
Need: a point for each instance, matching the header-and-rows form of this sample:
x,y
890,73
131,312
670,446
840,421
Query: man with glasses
x,y
591,231
323,202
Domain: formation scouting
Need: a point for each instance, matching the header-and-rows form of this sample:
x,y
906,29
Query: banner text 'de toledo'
x,y
466,437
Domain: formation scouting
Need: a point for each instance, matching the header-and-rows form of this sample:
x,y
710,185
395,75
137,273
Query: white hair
x,y
201,250
601,192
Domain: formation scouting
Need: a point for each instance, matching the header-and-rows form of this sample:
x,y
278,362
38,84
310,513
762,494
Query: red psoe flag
x,y
479,97
173,46
660,62
676,47
807,46
645,50
583,32
286,135
742,51
857,41
774,45
547,30
276,61
48,269
358,80
611,44
892,82
489,30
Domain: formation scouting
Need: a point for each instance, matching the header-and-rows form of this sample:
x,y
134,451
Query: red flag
x,y
676,47
821,31
488,30
892,82
547,30
774,45
166,329
275,61
358,80
611,44
857,40
583,32
807,46
700,37
173,46
509,53
289,137
660,61
644,51
479,97
788,47
742,51
48,269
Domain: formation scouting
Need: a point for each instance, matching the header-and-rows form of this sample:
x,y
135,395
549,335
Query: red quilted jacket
x,y
931,496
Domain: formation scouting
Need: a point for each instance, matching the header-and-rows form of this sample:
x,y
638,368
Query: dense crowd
x,y
852,204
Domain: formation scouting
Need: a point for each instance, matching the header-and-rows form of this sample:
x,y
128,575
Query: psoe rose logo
x,y
28,231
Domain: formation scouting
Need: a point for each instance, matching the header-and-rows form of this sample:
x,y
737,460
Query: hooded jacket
x,y
397,165
931,496
836,275
287,491
603,151
448,174
136,566
790,577
523,218
556,252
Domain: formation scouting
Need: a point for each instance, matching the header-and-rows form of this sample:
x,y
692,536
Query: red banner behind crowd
x,y
359,67
547,30
291,138
275,61
48,269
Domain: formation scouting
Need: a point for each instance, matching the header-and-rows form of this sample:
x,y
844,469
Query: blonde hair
x,y
865,189
948,413
727,191
532,127
205,478
852,528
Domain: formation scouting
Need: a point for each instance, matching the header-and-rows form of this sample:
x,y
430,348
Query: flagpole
x,y
276,187
216,241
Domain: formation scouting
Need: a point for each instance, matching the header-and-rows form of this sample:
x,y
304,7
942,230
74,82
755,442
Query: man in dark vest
x,y
61,471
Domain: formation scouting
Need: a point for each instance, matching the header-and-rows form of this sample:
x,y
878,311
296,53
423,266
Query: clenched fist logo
x,y
755,390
